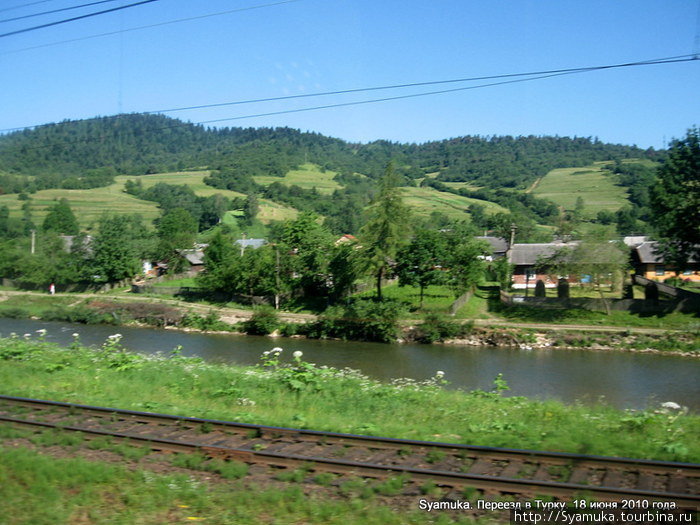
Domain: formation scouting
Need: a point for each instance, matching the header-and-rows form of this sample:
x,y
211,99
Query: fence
x,y
638,306
667,289
459,302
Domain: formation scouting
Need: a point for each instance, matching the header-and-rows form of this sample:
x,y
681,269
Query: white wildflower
x,y
76,334
439,374
277,350
298,354
27,336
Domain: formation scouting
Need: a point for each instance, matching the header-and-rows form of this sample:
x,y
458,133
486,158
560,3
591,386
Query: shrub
x,y
361,320
210,322
264,321
15,313
437,327
540,290
563,289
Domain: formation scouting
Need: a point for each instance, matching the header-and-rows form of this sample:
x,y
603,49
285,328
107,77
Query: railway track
x,y
494,471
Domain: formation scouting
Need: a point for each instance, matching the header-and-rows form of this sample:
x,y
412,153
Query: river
x,y
622,379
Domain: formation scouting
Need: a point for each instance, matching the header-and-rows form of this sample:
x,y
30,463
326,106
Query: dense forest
x,y
87,153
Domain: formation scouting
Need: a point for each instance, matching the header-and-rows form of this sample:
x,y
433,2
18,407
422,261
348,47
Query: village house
x,y
649,262
525,258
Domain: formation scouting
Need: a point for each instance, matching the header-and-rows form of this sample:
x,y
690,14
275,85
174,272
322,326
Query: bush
x,y
210,322
361,320
15,313
674,281
436,327
563,289
263,322
540,290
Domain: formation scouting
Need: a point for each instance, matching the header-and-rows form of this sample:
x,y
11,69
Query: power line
x,y
76,18
668,60
427,83
55,11
24,5
386,99
415,95
220,13
535,75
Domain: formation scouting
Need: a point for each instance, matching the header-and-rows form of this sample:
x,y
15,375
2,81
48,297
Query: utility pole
x,y
243,245
33,241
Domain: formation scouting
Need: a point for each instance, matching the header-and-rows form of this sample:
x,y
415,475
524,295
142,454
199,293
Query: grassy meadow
x,y
307,177
88,205
424,201
594,184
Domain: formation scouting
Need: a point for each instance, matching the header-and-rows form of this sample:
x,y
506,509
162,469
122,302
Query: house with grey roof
x,y
194,259
649,262
525,259
499,246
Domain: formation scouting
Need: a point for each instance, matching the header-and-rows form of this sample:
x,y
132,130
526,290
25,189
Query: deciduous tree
x,y
675,200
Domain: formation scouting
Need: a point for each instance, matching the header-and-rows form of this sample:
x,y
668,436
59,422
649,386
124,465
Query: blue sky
x,y
309,46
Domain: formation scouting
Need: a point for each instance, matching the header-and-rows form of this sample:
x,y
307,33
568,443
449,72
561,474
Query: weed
x,y
392,486
435,456
227,469
189,461
294,476
324,478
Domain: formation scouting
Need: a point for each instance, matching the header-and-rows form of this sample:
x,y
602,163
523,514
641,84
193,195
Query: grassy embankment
x,y
323,399
39,490
42,490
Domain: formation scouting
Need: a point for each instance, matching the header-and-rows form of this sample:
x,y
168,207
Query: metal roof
x,y
498,244
528,254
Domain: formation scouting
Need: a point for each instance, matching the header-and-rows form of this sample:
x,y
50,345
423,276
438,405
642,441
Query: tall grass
x,y
303,395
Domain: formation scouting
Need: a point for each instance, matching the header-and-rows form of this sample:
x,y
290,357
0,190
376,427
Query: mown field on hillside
x,y
309,176
424,201
594,184
88,205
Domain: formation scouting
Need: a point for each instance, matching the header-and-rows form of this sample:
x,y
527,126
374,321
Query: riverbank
x,y
300,394
118,483
178,315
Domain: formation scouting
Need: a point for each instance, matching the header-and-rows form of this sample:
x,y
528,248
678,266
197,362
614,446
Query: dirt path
x,y
234,315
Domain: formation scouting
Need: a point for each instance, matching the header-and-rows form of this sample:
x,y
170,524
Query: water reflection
x,y
625,380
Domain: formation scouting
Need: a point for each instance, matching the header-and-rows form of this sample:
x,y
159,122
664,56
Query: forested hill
x,y
86,153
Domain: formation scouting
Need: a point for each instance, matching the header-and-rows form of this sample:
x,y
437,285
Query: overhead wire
x,y
55,11
534,75
149,26
65,21
24,5
570,71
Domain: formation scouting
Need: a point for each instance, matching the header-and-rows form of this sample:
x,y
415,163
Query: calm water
x,y
625,380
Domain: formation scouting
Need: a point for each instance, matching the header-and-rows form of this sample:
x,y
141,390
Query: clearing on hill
x,y
308,176
425,200
594,184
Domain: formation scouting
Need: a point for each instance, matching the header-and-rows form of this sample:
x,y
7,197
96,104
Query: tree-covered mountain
x,y
88,153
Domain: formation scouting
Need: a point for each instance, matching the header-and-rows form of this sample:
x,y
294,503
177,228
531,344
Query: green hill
x,y
89,161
